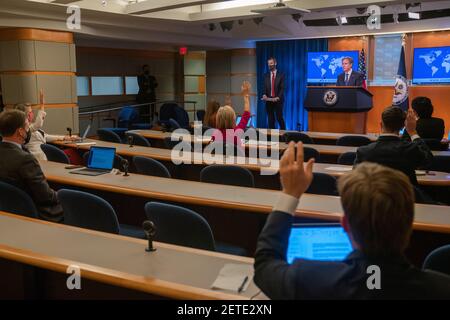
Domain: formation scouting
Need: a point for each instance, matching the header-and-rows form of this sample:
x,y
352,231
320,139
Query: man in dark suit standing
x,y
274,94
21,169
394,151
349,77
147,85
378,205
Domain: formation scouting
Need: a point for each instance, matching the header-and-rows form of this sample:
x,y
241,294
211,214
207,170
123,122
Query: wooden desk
x,y
164,155
171,271
427,217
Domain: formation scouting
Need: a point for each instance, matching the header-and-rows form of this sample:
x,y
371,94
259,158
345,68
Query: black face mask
x,y
27,137
147,72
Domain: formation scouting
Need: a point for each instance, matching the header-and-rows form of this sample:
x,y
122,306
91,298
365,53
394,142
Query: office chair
x,y
85,210
323,184
227,174
184,227
297,137
353,141
54,153
15,200
150,167
108,135
347,158
438,260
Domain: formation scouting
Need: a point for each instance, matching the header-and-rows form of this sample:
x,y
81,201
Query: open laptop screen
x,y
101,158
326,242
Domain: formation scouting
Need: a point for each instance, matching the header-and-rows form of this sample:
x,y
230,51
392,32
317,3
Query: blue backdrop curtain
x,y
292,57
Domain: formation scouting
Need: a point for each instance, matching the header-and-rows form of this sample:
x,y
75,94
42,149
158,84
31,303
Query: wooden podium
x,y
337,109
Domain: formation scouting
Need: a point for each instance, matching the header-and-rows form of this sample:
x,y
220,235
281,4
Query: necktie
x,y
346,78
272,91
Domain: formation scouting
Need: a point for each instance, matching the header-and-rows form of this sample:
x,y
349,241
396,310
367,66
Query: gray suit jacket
x,y
20,168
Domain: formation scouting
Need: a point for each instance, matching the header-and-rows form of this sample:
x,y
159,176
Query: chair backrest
x,y
347,158
15,200
108,135
174,124
440,163
438,260
167,111
353,141
227,174
169,144
150,167
180,226
138,139
296,137
85,210
117,160
182,117
309,153
201,115
323,184
54,153
127,116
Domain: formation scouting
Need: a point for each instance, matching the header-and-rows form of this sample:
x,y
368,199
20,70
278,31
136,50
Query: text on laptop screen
x,y
327,242
101,158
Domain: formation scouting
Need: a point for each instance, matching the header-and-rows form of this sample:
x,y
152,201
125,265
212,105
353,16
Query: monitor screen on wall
x,y
324,67
431,65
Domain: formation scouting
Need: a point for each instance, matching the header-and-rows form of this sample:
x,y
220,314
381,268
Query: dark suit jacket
x,y
397,153
147,85
279,86
307,279
21,169
432,128
356,79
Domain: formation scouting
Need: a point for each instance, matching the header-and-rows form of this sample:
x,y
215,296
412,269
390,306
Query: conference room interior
x,y
84,59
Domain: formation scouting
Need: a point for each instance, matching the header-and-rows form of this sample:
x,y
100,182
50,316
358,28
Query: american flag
x,y
362,67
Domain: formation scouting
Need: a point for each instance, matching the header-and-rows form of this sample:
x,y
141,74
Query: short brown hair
x,y
10,121
22,106
393,118
379,205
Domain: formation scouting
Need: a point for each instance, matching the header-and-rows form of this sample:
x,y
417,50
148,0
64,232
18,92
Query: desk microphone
x,y
130,141
125,166
70,131
150,231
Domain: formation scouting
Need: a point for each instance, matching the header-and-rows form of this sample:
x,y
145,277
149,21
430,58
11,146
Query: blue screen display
x,y
324,67
431,65
315,242
101,158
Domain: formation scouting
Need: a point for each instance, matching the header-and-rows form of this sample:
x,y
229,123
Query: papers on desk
x,y
342,169
86,143
234,277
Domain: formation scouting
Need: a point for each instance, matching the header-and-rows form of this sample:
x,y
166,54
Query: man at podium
x,y
349,77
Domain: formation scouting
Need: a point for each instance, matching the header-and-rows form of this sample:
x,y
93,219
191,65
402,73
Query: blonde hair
x,y
379,205
226,118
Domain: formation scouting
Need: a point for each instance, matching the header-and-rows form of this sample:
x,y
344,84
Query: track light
x,y
226,25
341,20
414,15
395,17
258,21
211,26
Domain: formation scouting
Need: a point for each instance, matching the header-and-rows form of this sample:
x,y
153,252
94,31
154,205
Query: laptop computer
x,y
318,241
100,161
83,137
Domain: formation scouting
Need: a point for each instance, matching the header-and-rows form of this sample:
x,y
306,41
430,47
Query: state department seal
x,y
330,98
400,91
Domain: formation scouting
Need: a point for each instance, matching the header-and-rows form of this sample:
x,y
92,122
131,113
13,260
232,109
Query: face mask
x,y
147,72
27,137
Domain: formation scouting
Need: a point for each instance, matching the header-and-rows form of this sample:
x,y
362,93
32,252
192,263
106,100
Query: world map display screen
x,y
324,67
431,65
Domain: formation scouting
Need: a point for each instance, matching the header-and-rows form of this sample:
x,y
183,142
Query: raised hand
x,y
41,100
411,122
245,88
295,175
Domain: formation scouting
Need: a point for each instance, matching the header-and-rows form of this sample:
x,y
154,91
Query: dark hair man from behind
x,y
394,151
20,168
428,127
378,204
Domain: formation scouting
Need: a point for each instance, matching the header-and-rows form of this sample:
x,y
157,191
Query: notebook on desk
x,y
326,242
100,161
